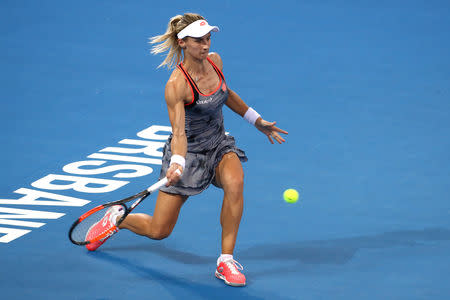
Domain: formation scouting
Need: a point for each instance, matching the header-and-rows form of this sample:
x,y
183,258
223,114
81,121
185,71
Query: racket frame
x,y
139,196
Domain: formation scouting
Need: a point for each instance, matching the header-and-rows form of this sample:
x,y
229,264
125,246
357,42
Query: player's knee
x,y
159,233
234,184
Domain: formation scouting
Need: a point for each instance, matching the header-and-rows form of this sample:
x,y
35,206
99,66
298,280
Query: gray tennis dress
x,y
206,139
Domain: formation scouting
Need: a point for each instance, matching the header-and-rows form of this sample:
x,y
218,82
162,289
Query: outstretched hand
x,y
270,130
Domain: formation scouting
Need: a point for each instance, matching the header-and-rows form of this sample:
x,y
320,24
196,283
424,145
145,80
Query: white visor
x,y
197,29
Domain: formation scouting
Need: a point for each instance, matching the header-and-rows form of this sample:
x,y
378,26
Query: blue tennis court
x,y
363,89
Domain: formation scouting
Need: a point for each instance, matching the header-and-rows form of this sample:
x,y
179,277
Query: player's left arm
x,y
236,104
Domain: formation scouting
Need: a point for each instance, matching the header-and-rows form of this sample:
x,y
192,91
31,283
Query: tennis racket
x,y
78,233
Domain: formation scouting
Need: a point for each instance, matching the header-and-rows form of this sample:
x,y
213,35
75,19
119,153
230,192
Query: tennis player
x,y
198,146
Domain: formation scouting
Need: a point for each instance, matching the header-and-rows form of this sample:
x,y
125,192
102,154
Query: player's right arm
x,y
175,93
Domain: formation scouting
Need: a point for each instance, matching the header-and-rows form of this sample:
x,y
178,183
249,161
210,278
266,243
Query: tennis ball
x,y
290,196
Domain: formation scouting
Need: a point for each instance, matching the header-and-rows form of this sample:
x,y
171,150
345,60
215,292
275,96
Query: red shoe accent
x,y
228,271
103,225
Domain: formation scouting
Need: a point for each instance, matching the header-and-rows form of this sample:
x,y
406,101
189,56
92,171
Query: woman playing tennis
x,y
198,147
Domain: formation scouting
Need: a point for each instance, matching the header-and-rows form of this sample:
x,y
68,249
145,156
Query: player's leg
x,y
230,177
161,224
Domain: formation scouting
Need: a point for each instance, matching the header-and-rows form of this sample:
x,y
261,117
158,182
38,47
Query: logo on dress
x,y
202,23
205,101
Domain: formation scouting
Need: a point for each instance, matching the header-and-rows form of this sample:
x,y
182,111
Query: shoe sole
x,y
220,276
96,247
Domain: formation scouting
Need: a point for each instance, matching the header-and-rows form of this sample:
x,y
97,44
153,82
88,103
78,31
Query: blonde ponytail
x,y
169,40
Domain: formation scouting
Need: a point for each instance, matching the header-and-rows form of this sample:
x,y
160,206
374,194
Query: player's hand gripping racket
x,y
78,233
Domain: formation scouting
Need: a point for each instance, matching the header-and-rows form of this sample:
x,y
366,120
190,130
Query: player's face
x,y
198,47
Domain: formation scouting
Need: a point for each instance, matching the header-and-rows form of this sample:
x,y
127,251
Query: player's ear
x,y
182,43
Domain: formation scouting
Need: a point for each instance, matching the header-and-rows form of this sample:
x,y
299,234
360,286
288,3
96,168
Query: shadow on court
x,y
335,251
172,254
177,286
340,251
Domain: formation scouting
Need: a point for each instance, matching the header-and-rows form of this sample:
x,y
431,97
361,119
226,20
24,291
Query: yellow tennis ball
x,y
290,196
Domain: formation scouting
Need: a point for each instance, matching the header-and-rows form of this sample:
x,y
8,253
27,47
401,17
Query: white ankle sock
x,y
224,257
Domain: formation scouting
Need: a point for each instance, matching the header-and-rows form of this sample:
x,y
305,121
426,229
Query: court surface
x,y
362,87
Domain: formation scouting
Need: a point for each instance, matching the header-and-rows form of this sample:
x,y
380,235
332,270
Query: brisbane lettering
x,y
132,159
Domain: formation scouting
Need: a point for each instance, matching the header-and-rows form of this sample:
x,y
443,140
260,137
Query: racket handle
x,y
160,183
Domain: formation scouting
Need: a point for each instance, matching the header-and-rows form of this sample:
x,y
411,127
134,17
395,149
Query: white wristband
x,y
251,116
178,159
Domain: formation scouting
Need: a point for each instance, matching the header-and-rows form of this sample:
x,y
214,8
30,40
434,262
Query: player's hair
x,y
169,40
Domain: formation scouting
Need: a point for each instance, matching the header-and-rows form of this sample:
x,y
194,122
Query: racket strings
x,y
80,232
87,228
